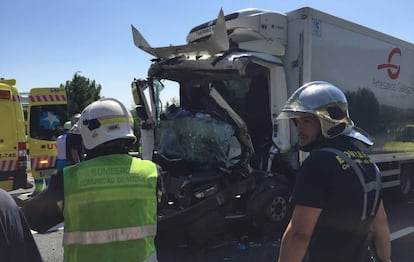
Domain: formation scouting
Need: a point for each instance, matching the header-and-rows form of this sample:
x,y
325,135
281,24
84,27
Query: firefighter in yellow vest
x,y
110,203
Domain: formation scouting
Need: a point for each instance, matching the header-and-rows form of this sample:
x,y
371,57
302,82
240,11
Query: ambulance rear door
x,y
46,116
13,155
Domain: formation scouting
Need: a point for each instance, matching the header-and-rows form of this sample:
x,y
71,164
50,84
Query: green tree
x,y
363,108
80,91
172,101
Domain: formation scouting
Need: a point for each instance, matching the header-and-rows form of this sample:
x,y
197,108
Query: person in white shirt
x,y
61,161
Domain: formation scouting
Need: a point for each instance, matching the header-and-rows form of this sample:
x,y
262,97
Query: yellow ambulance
x,y
46,115
13,153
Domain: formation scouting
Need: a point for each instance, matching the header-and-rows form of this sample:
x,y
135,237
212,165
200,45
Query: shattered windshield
x,y
201,139
195,128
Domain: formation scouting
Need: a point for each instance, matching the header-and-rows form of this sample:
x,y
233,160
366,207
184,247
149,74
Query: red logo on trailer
x,y
392,70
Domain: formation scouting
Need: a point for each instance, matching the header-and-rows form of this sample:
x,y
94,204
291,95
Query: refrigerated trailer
x,y
224,154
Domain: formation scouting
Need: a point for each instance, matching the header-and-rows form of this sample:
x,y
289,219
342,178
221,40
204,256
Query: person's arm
x,y
381,234
44,210
75,155
298,233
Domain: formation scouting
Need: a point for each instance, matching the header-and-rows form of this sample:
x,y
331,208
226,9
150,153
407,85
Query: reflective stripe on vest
x,y
367,186
108,236
129,193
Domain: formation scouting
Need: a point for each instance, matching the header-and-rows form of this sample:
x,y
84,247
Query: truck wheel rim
x,y
278,209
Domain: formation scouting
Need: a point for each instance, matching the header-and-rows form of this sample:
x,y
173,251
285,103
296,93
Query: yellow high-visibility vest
x,y
110,209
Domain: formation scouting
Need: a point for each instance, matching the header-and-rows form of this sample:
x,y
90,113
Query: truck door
x,y
147,112
46,117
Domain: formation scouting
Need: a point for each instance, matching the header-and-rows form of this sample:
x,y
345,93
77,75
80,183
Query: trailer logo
x,y
392,70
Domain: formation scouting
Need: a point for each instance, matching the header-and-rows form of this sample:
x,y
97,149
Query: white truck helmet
x,y
105,120
328,103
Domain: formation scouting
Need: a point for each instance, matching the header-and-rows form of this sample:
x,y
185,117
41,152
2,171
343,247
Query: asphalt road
x,y
263,249
247,248
241,250
401,222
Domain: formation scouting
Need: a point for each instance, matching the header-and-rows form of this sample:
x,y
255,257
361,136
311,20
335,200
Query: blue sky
x,y
44,42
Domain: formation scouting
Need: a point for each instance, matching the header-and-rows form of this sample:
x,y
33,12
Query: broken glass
x,y
200,138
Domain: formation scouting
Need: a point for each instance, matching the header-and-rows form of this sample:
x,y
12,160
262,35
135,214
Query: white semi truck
x,y
224,155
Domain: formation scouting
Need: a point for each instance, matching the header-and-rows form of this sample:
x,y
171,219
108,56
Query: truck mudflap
x,y
198,223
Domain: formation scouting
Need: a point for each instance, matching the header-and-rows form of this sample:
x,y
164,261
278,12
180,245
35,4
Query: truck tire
x,y
405,189
270,210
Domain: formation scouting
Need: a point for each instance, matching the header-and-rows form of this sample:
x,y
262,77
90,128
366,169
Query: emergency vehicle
x,y
46,117
13,155
224,154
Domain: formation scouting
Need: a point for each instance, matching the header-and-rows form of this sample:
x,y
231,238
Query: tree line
x,y
81,91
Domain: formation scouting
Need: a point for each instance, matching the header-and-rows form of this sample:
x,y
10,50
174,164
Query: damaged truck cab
x,y
220,148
